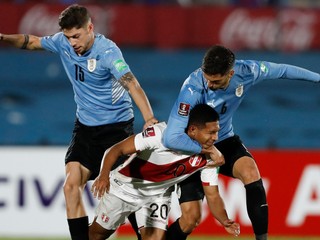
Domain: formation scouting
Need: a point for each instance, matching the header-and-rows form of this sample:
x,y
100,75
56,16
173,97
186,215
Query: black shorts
x,y
232,148
88,144
191,189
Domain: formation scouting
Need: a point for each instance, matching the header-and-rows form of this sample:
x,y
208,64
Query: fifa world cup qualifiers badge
x,y
239,90
184,109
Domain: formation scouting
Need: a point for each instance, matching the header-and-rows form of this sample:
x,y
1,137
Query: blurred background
x,y
163,41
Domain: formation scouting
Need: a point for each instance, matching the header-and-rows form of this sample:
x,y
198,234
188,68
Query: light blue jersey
x,y
195,90
94,77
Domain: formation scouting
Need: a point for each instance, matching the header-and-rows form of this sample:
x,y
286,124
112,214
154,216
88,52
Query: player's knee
x,y
246,170
95,236
96,232
192,211
67,188
190,220
71,190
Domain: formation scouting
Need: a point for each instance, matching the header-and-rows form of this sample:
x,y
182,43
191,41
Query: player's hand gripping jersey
x,y
155,168
224,101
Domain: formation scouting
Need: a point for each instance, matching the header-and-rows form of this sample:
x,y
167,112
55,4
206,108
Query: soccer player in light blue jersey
x,y
102,83
222,82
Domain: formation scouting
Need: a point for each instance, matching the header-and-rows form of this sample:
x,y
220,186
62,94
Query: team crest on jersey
x,y
184,109
104,217
149,132
239,90
195,160
91,64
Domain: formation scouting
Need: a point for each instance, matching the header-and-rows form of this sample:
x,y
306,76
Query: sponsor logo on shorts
x,y
149,132
184,109
104,218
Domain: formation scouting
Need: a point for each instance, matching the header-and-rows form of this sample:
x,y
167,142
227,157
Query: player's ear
x,y
90,26
231,73
192,130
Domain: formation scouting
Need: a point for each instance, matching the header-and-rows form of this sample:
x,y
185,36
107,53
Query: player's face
x,y
206,136
218,81
81,39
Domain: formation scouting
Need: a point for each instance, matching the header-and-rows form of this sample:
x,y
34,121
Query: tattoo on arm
x,y
26,41
126,79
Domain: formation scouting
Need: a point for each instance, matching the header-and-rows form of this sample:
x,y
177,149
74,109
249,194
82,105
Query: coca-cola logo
x,y
40,20
287,29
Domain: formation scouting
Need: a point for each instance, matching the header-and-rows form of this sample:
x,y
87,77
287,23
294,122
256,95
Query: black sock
x,y
79,228
175,233
257,207
133,222
262,237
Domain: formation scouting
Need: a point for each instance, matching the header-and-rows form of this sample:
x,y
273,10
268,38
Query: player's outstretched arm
x,y
131,84
23,41
217,208
101,184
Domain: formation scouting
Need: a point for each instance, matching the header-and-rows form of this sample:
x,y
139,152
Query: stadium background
x,y
163,41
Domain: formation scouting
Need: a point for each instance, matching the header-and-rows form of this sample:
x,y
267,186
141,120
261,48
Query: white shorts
x,y
115,206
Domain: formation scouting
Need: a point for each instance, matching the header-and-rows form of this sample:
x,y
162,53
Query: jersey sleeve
x,y
209,176
174,136
49,43
268,70
150,138
115,62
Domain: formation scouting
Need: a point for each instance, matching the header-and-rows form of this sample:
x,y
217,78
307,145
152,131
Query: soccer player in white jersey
x,y
222,82
144,183
101,81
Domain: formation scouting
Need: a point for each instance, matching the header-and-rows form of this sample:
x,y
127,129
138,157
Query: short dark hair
x,y
218,60
201,114
74,16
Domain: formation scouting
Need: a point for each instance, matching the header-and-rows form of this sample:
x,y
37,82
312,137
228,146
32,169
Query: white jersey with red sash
x,y
155,168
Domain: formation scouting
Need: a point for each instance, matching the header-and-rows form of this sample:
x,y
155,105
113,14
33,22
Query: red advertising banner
x,y
171,26
292,182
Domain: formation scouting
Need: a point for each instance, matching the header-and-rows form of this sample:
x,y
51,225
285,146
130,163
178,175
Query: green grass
x,y
190,238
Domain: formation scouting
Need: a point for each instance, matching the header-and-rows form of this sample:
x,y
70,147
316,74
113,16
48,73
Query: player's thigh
x,y
190,189
154,213
246,170
152,233
233,150
97,232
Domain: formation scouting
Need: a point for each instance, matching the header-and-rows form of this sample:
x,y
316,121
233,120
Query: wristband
x,y
26,41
